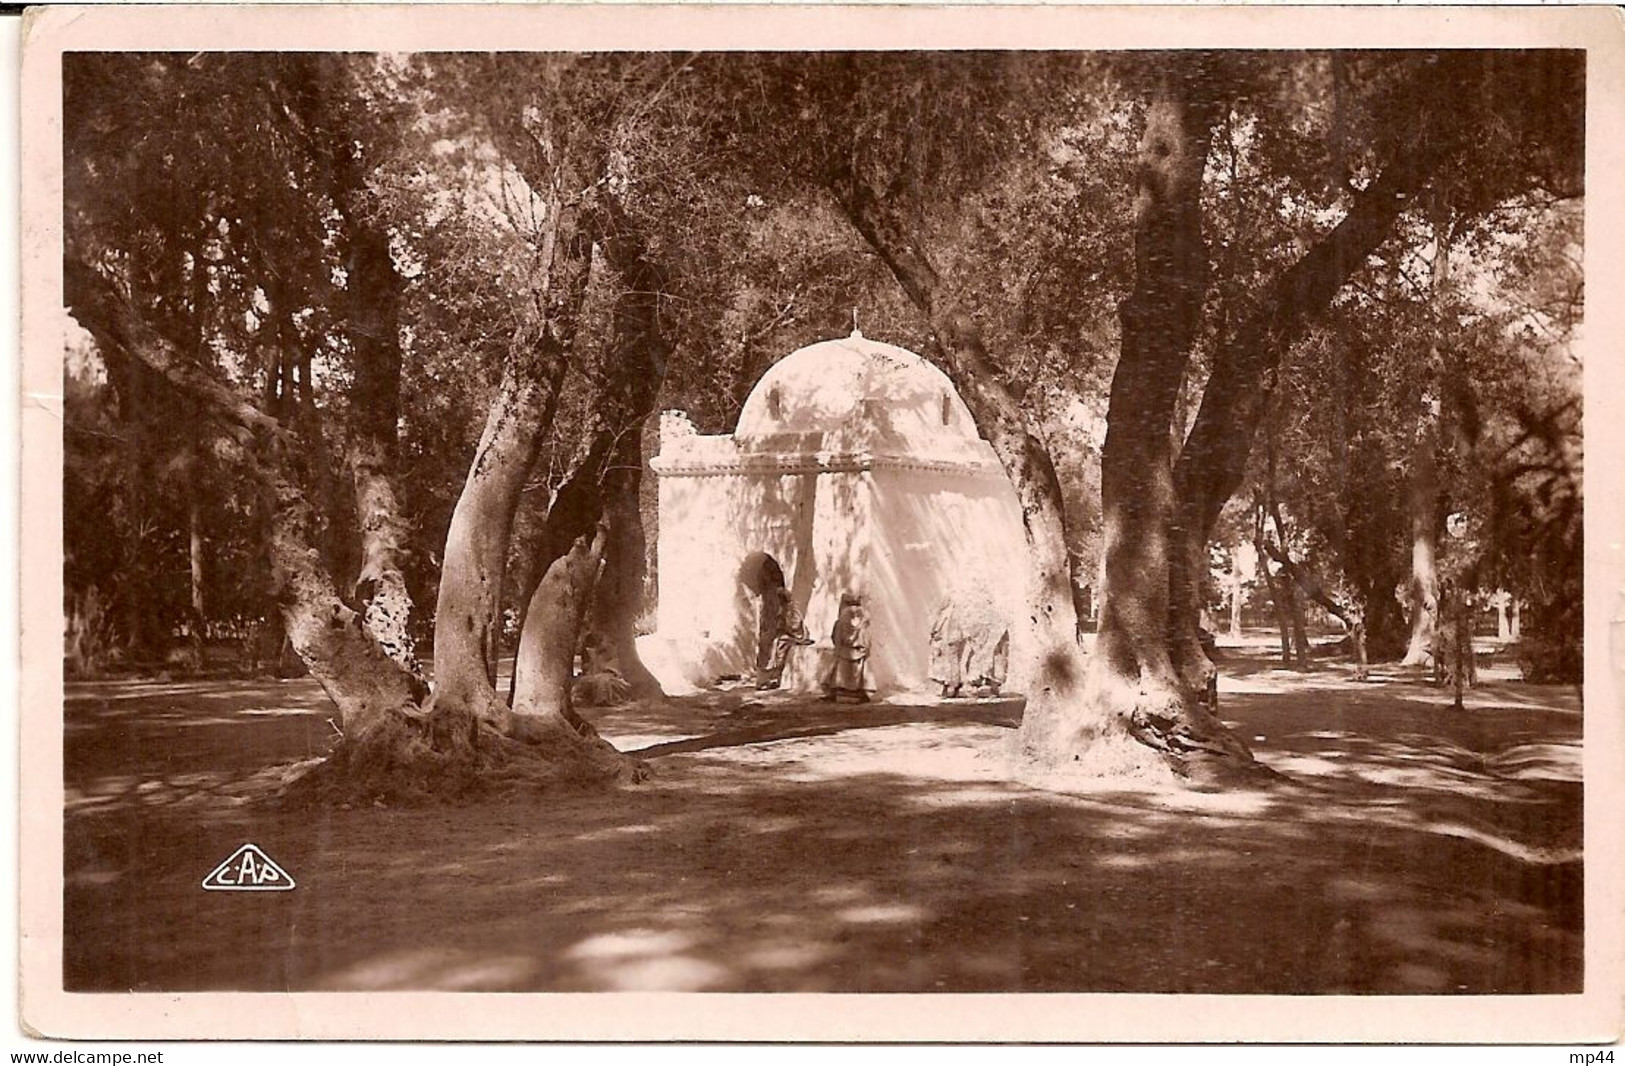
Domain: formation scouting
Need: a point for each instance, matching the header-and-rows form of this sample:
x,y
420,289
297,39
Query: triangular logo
x,y
248,870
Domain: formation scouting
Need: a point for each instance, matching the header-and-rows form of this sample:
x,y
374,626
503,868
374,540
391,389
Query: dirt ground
x,y
784,845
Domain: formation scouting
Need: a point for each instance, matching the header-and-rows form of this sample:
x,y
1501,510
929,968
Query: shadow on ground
x,y
793,846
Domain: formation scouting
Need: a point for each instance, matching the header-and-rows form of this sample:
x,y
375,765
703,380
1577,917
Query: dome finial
x,y
857,333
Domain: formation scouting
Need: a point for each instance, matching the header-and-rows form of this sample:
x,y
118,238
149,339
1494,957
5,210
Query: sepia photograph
x,y
1063,517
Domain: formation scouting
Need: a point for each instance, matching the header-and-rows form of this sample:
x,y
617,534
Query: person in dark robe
x,y
849,673
789,631
767,628
767,583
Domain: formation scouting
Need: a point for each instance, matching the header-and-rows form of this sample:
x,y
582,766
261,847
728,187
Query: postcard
x,y
822,523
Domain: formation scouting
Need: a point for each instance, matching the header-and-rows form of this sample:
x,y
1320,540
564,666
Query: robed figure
x,y
849,671
788,630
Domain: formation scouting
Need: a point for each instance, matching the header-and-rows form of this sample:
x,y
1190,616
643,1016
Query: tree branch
x,y
120,331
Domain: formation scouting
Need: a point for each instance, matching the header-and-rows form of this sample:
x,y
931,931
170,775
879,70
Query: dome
x,y
855,393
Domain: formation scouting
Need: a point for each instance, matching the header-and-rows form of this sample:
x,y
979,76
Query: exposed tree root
x,y
1102,761
1118,760
1116,733
441,755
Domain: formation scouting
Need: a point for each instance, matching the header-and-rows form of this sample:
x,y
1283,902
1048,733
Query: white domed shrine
x,y
855,468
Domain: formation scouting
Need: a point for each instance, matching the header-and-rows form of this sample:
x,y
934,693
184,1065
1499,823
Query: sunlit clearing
x,y
1242,803
1304,765
881,914
630,944
444,969
614,831
645,959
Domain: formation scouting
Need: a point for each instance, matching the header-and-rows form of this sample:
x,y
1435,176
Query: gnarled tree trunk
x,y
372,296
618,597
1150,682
364,683
1422,495
543,700
466,612
573,513
638,368
1213,462
372,302
1423,486
584,503
544,666
467,621
477,540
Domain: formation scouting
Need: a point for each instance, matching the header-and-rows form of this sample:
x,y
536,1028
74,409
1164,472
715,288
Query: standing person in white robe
x,y
987,657
948,650
970,641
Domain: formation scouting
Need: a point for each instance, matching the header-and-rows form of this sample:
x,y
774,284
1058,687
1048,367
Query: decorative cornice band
x,y
820,463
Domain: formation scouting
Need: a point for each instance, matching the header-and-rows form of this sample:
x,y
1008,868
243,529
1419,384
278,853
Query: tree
x,y
320,98
395,740
1344,426
1434,120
